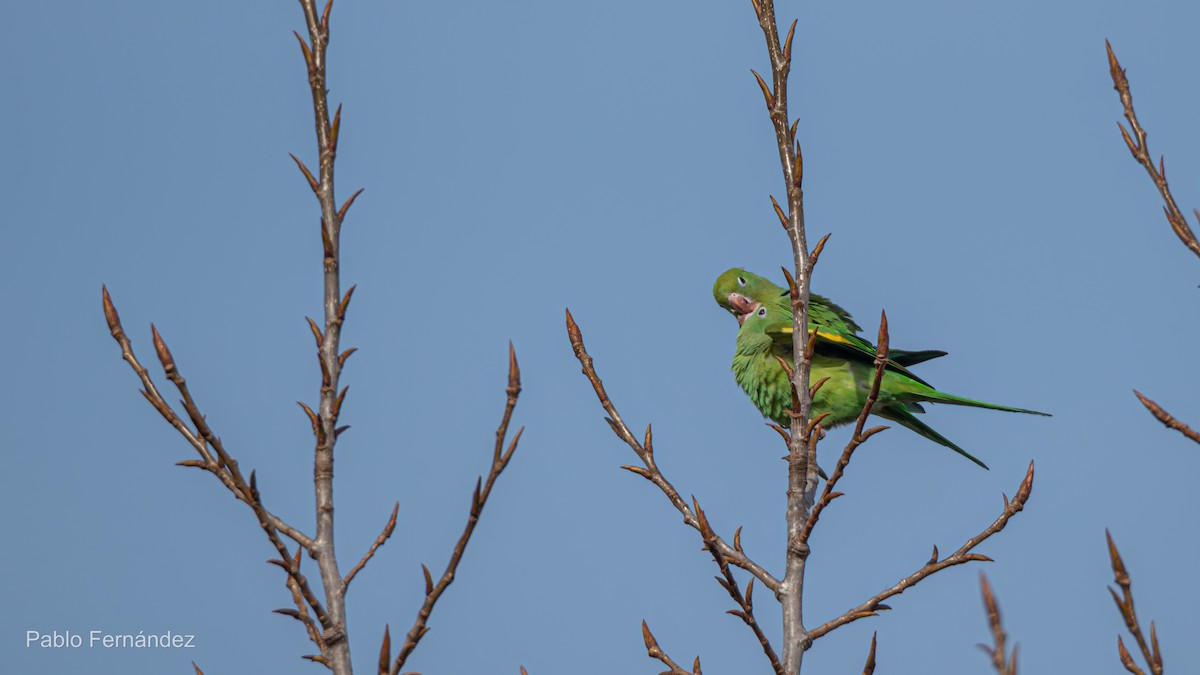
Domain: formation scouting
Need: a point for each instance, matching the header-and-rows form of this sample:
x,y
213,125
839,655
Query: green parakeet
x,y
766,332
737,290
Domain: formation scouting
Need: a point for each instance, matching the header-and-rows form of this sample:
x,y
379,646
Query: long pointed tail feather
x,y
942,397
911,358
900,414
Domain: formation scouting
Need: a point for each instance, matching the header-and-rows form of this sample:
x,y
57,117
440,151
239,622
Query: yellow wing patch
x,y
829,337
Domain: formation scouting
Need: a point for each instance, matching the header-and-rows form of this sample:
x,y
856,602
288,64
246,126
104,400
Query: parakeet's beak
x,y
741,306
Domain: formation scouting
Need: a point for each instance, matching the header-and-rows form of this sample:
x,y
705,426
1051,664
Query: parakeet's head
x,y
731,281
759,328
741,292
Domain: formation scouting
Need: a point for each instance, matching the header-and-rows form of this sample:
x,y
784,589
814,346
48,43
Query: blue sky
x,y
519,158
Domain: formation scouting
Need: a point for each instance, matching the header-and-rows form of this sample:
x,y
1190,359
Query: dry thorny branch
x,y
1150,652
802,513
324,621
1141,153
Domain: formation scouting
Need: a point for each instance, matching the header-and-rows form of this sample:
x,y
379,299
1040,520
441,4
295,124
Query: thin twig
x,y
1141,152
828,494
383,537
869,667
649,470
1167,418
656,652
1004,662
500,460
300,613
729,583
385,651
1150,651
962,555
213,457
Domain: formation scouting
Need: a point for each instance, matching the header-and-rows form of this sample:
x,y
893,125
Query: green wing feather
x,y
902,416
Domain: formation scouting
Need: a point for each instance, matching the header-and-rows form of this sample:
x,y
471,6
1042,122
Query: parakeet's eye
x,y
762,311
742,281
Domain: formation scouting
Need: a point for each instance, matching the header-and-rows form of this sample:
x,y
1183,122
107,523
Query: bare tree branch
x,y
962,555
500,459
383,537
328,337
1167,418
828,494
1004,661
729,583
803,434
1150,651
334,652
802,469
300,613
213,457
649,470
1141,152
656,652
723,554
325,622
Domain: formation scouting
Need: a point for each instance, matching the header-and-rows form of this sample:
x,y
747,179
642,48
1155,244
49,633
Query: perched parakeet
x,y
766,332
738,290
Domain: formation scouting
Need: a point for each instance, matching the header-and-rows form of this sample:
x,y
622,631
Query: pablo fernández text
x,y
99,639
